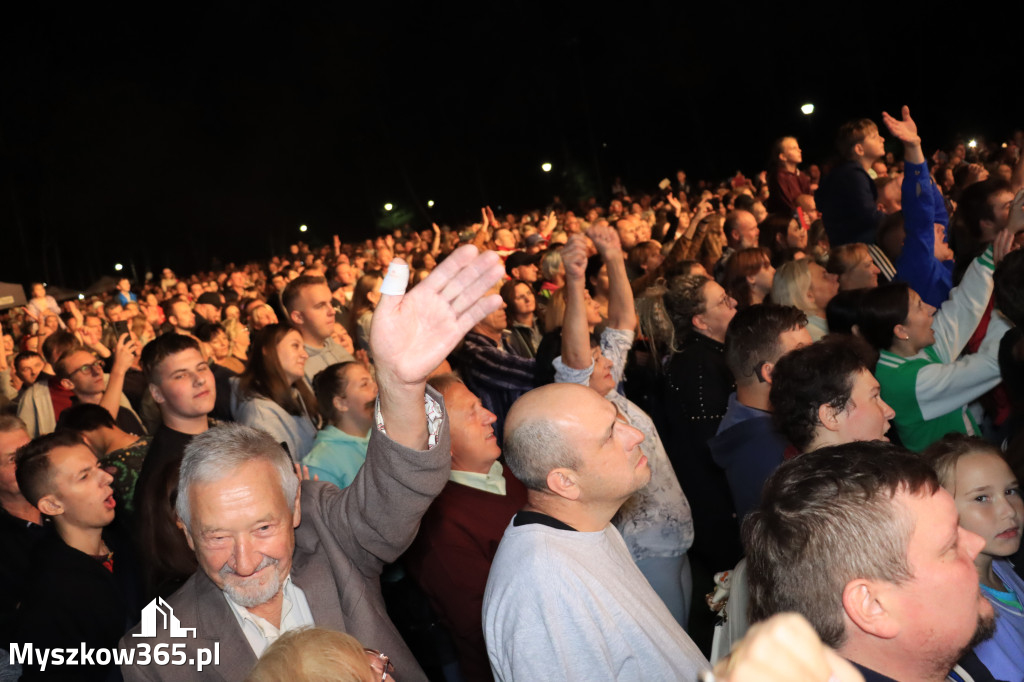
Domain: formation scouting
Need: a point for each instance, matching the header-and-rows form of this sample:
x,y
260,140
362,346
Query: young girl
x,y
988,500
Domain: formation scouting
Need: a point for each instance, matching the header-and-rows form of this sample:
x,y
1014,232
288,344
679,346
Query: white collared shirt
x,y
259,632
491,482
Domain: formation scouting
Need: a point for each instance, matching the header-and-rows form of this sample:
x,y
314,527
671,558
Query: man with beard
x,y
862,541
240,503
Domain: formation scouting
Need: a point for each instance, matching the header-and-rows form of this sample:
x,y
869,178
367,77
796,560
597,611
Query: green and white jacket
x,y
930,391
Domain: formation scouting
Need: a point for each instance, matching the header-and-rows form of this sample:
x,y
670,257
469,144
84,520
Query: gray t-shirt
x,y
567,605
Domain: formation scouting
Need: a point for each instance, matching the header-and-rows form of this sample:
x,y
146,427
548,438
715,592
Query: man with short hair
x,y
847,196
565,599
120,453
825,394
28,365
276,555
741,232
863,541
308,302
747,445
83,589
183,387
81,372
179,315
459,535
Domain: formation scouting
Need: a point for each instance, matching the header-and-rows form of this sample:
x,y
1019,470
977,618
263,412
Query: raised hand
x,y
413,332
904,130
606,239
574,257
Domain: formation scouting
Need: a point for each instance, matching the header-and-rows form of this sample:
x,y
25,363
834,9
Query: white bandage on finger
x,y
397,279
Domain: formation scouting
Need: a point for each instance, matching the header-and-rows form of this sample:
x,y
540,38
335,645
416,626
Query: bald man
x,y
564,599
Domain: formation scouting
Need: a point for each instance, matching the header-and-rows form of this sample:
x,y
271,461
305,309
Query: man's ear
x,y
173,320
188,535
564,483
766,372
296,317
858,149
828,416
158,395
865,603
50,505
67,385
297,514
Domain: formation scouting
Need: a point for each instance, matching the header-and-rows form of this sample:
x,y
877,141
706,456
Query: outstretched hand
x,y
904,130
413,332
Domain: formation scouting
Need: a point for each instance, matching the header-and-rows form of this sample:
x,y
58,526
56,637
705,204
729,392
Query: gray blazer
x,y
342,544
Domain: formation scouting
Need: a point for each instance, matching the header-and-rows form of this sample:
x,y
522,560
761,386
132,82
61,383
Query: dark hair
x,y
881,309
837,502
330,382
59,344
32,463
843,311
1009,287
59,367
160,348
974,206
264,377
24,355
684,299
206,332
85,417
168,305
294,289
752,338
815,375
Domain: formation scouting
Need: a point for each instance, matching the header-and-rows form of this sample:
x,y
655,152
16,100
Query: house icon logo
x,y
159,612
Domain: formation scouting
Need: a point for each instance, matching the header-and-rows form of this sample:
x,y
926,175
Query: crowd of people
x,y
528,447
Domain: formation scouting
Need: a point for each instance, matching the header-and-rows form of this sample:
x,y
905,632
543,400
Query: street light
x,y
430,203
118,267
546,167
388,206
302,228
807,109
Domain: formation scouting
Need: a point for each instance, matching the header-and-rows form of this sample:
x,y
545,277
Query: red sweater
x,y
451,557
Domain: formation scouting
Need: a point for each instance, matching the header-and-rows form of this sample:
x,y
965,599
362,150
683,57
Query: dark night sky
x,y
170,136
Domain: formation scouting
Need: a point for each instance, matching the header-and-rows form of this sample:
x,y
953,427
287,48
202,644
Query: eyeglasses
x,y
380,663
91,368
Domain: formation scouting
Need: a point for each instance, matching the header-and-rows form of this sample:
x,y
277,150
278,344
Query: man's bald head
x,y
534,432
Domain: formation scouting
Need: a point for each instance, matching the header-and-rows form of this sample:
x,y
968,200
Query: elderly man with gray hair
x,y
275,555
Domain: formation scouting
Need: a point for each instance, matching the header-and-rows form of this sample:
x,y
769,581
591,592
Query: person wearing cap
x,y
522,266
207,308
